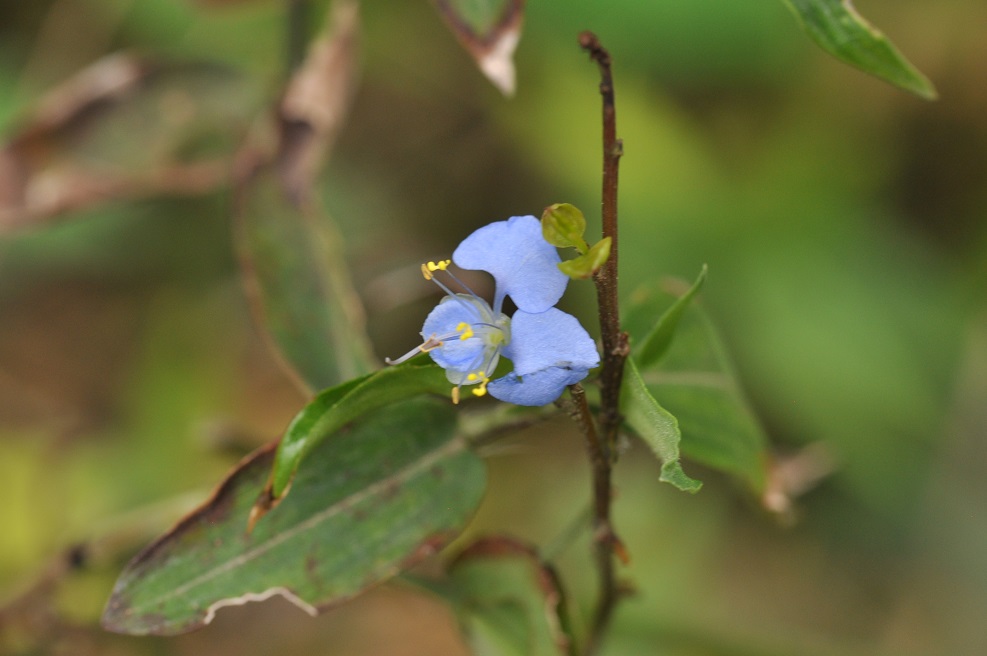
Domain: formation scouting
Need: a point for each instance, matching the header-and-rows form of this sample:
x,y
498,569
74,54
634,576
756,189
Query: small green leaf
x,y
508,601
563,226
335,407
368,503
585,266
655,344
838,29
656,426
694,380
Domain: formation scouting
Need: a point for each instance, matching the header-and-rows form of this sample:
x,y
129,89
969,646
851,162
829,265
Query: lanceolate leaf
x,y
656,426
508,601
293,260
837,27
490,31
369,502
656,342
695,382
335,407
299,284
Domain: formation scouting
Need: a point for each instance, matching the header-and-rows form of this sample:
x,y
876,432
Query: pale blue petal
x,y
550,350
549,339
538,388
456,354
522,263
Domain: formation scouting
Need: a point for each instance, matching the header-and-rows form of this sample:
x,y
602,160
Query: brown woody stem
x,y
602,443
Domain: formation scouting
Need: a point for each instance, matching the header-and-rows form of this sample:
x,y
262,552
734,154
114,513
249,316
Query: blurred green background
x,y
842,221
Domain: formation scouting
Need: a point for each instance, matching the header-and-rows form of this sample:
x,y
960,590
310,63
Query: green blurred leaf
x,y
839,30
656,426
585,266
656,342
563,226
292,254
508,601
335,407
490,31
695,382
124,128
299,285
368,503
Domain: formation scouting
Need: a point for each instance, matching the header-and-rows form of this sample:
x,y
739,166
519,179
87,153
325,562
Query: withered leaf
x,y
490,31
123,128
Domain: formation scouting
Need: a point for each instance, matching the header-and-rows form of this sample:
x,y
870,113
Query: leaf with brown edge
x,y
371,501
490,31
291,253
510,602
124,128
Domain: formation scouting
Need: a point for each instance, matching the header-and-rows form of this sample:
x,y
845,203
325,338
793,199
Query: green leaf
x,y
839,30
299,286
335,407
656,426
508,601
655,344
189,118
490,31
563,226
695,381
368,503
585,266
291,252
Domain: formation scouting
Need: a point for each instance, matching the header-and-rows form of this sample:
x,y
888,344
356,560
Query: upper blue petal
x,y
549,339
522,263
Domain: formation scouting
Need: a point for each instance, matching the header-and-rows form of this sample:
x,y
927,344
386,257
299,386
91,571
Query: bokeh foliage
x,y
842,222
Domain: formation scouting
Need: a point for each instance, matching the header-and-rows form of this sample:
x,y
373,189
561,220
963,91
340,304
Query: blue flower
x,y
466,336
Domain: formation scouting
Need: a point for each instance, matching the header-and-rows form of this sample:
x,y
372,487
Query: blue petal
x,y
549,339
522,263
456,354
550,350
538,388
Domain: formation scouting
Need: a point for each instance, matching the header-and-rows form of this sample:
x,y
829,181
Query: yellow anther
x,y
466,329
471,377
455,395
428,269
439,266
482,388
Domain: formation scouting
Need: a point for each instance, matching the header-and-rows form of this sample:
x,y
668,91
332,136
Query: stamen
x,y
430,344
465,329
431,267
481,390
455,395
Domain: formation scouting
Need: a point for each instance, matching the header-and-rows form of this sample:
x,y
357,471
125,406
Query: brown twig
x,y
615,349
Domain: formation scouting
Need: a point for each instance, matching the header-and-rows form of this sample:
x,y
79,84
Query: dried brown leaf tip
x,y
490,31
317,98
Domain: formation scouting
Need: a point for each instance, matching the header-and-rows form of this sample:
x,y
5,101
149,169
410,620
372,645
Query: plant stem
x,y
602,443
615,347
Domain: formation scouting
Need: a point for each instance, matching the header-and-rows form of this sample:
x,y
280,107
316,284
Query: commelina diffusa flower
x,y
466,336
